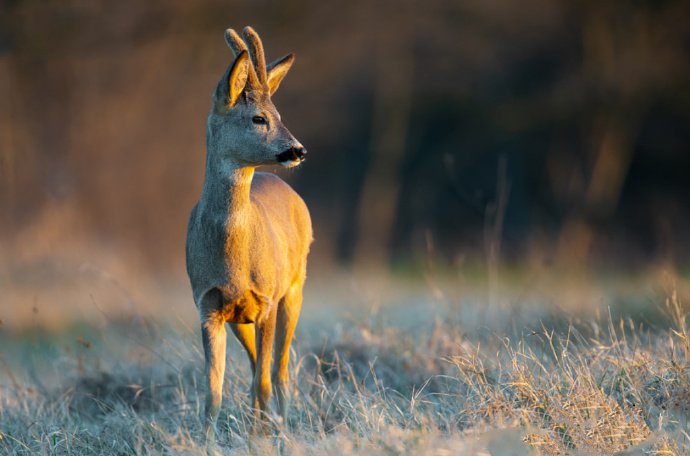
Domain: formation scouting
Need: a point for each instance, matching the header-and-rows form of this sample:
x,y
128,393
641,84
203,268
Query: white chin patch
x,y
290,163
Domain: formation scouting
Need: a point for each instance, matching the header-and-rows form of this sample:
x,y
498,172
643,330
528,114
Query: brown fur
x,y
249,234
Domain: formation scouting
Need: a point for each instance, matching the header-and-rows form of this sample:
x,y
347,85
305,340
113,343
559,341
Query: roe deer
x,y
249,234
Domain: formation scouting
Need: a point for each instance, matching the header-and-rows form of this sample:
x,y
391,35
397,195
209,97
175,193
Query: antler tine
x,y
256,50
232,38
234,42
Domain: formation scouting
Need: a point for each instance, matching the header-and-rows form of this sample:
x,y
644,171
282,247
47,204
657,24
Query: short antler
x,y
256,50
232,38
260,77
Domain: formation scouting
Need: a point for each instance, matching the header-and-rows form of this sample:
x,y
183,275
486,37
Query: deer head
x,y
244,127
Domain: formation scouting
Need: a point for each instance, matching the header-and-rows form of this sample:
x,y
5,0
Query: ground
x,y
405,366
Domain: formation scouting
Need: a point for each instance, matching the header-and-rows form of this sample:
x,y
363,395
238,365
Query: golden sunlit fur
x,y
249,234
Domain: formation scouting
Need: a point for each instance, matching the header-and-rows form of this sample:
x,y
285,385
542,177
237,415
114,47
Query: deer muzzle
x,y
292,154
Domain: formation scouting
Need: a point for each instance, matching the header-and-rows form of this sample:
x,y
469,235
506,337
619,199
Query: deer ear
x,y
238,77
277,71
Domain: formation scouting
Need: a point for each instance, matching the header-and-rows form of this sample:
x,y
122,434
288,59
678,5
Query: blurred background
x,y
533,135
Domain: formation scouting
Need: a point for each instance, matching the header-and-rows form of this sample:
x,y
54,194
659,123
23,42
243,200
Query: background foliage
x,y
558,129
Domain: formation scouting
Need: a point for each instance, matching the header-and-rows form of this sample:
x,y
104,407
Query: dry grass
x,y
600,386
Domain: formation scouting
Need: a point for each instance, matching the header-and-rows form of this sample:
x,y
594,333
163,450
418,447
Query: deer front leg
x,y
288,314
214,339
261,388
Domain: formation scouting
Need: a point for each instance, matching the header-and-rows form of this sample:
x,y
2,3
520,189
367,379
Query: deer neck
x,y
226,198
227,188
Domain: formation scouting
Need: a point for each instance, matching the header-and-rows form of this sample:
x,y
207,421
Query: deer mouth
x,y
292,157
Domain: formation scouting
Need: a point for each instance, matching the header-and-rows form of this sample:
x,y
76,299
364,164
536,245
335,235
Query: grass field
x,y
427,369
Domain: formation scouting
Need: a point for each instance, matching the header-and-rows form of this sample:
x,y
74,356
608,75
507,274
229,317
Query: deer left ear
x,y
237,78
277,71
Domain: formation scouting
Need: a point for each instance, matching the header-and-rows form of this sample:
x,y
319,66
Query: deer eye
x,y
259,120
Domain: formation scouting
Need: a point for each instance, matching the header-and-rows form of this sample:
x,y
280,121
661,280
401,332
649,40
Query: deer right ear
x,y
238,77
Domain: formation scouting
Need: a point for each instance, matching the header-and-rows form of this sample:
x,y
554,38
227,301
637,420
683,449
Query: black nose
x,y
300,152
293,153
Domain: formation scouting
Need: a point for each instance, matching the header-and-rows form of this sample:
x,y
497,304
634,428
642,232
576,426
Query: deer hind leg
x,y
214,339
288,314
245,334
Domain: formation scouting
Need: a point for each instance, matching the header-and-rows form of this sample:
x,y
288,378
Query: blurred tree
x,y
406,112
